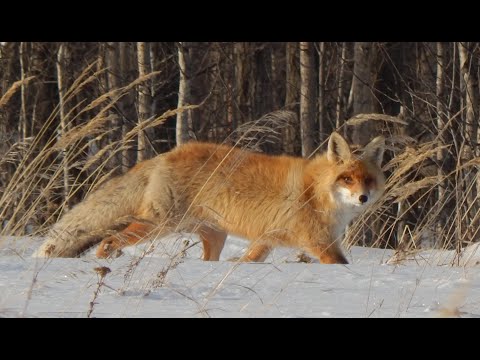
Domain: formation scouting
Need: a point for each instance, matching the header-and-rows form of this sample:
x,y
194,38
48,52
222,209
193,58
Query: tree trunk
x,y
153,60
291,95
102,88
22,124
471,136
9,53
321,93
307,99
183,95
363,84
127,105
441,120
193,59
278,79
243,85
262,94
341,77
114,82
41,67
62,83
471,98
143,53
209,82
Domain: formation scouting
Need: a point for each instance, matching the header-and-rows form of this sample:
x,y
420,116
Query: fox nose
x,y
363,198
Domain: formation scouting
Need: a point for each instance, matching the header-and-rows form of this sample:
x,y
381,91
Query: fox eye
x,y
368,181
347,179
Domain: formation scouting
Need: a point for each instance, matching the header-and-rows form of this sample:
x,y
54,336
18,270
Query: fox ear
x,y
374,150
338,149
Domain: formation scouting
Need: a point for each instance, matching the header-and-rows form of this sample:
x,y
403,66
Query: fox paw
x,y
107,249
45,251
304,258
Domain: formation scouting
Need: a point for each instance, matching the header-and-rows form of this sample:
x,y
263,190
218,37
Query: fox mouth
x,y
360,204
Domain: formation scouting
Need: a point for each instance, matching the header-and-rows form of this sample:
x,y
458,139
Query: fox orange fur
x,y
215,189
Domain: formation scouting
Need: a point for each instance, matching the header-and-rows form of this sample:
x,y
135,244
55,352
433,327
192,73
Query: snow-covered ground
x,y
167,282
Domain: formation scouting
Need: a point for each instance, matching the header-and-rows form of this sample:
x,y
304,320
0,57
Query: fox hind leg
x,y
131,235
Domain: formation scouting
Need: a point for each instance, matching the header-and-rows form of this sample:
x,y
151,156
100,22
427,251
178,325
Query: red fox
x,y
212,190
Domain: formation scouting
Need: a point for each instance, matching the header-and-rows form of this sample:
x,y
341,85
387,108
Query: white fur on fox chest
x,y
348,208
343,218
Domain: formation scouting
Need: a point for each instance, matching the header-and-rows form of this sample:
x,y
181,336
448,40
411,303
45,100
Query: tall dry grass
x,y
34,196
427,203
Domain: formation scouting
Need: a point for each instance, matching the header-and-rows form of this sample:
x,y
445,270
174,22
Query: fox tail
x,y
110,208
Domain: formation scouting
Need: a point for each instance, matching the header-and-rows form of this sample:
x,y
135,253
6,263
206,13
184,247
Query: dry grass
x,y
265,133
35,193
13,89
422,207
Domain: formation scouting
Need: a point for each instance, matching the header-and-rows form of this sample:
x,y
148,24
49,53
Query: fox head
x,y
358,180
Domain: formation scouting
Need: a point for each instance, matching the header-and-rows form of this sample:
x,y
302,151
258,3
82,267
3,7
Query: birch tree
x,y
62,82
183,94
143,54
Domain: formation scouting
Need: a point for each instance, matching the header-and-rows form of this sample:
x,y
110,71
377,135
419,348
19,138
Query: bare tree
x,y
183,124
115,82
471,135
63,60
441,121
465,51
363,84
244,82
194,64
321,93
144,105
22,124
127,105
278,70
291,93
307,98
341,80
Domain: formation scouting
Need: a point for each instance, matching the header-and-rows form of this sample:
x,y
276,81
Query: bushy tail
x,y
111,207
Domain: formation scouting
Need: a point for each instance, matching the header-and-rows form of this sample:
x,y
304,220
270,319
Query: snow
x,y
164,281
